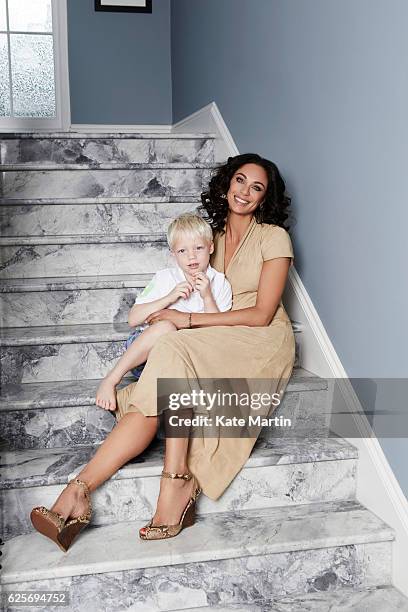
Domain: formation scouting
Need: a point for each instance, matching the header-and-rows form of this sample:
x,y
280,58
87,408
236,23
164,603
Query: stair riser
x,y
103,183
257,487
99,219
55,427
379,598
308,413
241,580
110,150
56,362
87,425
67,307
83,259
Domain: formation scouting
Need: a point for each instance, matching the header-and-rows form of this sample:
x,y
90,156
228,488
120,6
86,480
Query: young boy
x,y
191,286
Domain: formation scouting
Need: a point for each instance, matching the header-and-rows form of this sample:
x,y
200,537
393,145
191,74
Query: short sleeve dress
x,y
238,351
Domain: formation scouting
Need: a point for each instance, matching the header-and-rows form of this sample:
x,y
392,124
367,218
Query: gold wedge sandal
x,y
54,526
160,532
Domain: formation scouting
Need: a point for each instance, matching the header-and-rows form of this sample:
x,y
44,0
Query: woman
x,y
247,208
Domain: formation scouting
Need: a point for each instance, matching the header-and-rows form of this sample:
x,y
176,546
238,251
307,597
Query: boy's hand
x,y
202,284
182,290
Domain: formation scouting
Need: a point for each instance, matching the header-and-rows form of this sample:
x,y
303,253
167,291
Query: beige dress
x,y
223,351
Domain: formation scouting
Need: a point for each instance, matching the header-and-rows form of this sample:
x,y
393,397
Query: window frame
x,y
62,120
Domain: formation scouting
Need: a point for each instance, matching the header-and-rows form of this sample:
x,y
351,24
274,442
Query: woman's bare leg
x,y
174,493
135,355
130,436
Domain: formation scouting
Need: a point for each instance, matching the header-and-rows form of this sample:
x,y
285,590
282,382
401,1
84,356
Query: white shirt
x,y
165,280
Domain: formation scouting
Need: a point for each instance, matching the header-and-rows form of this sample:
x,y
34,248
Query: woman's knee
x,y
141,422
166,341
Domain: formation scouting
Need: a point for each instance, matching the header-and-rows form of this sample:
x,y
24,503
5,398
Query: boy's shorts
x,y
135,334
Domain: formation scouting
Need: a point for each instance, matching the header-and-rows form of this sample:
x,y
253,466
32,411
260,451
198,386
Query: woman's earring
x,y
224,195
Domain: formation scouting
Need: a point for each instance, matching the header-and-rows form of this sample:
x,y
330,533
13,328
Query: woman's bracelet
x,y
189,320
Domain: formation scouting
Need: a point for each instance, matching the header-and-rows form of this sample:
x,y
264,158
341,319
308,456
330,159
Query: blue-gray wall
x,y
321,88
119,65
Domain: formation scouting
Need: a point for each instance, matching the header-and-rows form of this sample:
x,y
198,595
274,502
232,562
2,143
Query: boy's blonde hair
x,y
189,223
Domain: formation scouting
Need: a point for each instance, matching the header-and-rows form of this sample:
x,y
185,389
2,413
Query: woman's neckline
x,y
225,269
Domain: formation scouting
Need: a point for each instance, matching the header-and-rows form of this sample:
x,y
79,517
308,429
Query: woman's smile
x,y
241,201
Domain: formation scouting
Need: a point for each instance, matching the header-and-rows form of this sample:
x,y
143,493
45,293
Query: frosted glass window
x,y
3,15
5,109
27,71
30,15
32,75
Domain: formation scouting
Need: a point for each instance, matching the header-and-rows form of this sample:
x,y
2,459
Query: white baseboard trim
x,y
109,128
209,120
377,487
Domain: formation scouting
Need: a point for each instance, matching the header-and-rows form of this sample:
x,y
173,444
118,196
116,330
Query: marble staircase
x,y
82,222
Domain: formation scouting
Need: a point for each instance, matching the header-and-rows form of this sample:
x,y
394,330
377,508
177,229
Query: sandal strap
x,y
85,487
81,483
187,476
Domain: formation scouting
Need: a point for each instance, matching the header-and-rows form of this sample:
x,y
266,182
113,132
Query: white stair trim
x,y
93,128
209,119
377,486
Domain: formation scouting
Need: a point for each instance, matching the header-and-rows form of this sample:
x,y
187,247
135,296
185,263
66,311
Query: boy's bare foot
x,y
106,394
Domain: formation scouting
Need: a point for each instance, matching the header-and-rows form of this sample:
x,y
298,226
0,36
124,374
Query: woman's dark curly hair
x,y
273,210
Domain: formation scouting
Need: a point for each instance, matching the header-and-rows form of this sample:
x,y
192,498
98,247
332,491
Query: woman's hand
x,y
179,319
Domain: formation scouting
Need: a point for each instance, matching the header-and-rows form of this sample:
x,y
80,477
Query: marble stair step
x,y
104,183
31,396
65,334
278,473
102,149
332,537
58,361
33,166
62,352
76,135
267,578
59,414
83,255
80,300
69,307
74,283
382,598
136,199
69,300
69,334
129,238
97,219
